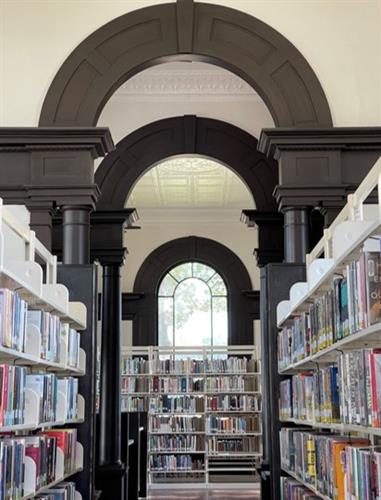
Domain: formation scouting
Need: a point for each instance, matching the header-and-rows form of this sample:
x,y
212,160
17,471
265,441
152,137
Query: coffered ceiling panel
x,y
190,182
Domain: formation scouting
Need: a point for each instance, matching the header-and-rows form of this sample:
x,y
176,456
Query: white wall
x,y
159,226
341,39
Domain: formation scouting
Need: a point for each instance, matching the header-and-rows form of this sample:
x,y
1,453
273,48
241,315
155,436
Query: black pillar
x,y
109,431
296,230
107,246
76,234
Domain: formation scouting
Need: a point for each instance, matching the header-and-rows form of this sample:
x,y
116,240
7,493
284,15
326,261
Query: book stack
x,y
231,365
174,463
179,442
360,387
64,491
339,467
12,395
291,489
231,425
68,387
229,403
176,404
49,326
176,424
352,303
13,324
73,348
232,383
347,392
67,442
45,386
134,384
176,366
176,384
248,444
134,366
133,404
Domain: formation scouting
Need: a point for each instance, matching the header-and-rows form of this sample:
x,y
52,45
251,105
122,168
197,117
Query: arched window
x,y
192,307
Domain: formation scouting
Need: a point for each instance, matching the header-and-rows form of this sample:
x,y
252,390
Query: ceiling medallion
x,y
189,166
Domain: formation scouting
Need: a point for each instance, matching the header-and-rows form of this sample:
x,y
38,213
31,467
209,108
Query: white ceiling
x,y
190,182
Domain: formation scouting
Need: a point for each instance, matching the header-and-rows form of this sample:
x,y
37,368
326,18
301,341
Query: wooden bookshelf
x,y
355,233
249,388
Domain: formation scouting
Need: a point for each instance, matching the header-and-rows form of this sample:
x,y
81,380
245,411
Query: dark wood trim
x,y
198,31
230,145
141,305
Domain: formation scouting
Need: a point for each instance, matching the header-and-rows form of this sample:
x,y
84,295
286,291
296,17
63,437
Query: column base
x,y
111,480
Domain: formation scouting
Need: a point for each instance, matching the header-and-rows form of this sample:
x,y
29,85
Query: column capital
x,y
270,234
107,231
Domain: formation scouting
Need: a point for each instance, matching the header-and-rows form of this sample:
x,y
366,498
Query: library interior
x,y
190,249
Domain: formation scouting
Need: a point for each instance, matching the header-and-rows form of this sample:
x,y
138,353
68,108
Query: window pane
x,y
182,271
202,271
220,321
167,286
217,285
193,313
165,321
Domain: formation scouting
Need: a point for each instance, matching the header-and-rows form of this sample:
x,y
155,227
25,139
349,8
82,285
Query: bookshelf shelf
x,y
155,389
343,428
370,336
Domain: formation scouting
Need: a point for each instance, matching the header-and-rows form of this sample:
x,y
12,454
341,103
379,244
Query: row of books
x,y
249,444
176,424
311,396
171,384
186,442
348,392
64,491
233,403
42,449
230,425
351,304
174,463
13,320
339,467
14,380
15,317
291,489
232,364
132,404
174,404
232,383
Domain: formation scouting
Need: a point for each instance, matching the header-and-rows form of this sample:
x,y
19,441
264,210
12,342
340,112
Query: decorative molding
x,y
186,82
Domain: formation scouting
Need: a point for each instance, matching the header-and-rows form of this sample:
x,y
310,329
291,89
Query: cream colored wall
x,y
160,226
340,39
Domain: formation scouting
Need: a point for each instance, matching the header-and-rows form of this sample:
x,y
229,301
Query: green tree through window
x,y
192,307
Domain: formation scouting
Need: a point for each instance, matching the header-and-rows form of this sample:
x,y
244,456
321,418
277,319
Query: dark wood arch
x,y
174,31
139,151
141,305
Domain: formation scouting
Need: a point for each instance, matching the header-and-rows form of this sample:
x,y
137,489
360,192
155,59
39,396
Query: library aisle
x,y
212,494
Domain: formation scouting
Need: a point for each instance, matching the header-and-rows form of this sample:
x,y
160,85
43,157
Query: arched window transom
x,y
192,307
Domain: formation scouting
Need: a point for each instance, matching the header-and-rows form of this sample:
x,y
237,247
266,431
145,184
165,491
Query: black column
x,y
109,430
296,230
107,247
76,234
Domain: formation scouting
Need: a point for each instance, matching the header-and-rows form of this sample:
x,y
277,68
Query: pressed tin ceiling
x,y
190,182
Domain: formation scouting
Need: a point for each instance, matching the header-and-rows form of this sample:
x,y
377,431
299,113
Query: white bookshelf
x,y
20,271
162,477
356,228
